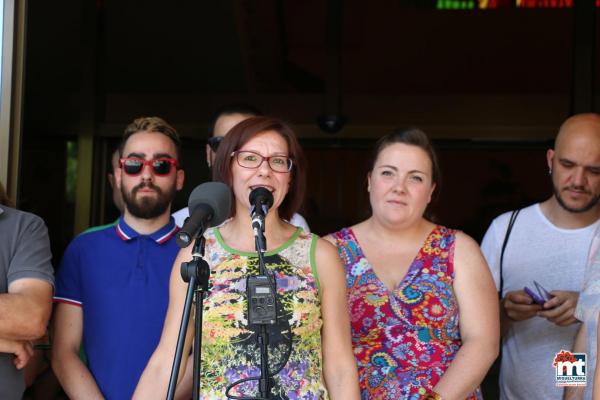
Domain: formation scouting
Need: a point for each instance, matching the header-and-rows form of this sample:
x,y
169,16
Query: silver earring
x,y
549,171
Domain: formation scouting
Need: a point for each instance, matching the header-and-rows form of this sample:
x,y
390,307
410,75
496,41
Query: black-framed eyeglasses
x,y
214,142
252,160
160,166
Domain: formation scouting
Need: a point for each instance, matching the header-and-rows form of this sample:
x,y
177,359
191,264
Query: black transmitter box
x,y
261,300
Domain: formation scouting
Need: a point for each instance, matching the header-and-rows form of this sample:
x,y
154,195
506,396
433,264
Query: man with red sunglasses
x,y
112,284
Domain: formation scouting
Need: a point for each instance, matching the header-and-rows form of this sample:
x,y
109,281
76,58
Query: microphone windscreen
x,y
261,195
217,196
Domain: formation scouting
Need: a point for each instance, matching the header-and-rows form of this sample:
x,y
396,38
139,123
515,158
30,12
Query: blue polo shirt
x,y
120,279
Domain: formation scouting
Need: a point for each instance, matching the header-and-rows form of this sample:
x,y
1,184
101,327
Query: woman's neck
x,y
375,228
238,233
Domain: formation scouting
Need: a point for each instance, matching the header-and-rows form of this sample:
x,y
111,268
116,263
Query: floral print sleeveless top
x,y
405,340
230,351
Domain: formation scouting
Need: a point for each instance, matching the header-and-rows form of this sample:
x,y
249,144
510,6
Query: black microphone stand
x,y
264,386
196,272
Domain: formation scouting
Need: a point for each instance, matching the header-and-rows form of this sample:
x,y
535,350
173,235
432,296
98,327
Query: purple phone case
x,y
536,299
541,296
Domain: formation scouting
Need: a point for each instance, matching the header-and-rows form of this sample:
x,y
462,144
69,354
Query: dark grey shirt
x,y
24,253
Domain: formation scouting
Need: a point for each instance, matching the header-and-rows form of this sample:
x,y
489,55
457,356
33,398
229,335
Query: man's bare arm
x,y
25,309
72,373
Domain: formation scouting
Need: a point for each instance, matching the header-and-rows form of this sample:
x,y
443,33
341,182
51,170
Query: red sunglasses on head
x,y
160,166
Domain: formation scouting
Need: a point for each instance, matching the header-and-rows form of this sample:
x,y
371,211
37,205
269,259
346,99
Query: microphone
x,y
261,199
209,205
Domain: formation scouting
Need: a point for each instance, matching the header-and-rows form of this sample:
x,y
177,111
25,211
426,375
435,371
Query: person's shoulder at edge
x,y
180,216
24,224
505,216
465,241
99,227
13,213
340,235
299,221
88,237
34,233
500,222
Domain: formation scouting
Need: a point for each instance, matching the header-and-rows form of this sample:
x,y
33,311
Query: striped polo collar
x,y
161,236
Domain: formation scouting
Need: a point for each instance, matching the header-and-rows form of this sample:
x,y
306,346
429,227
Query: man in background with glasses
x,y
222,121
112,283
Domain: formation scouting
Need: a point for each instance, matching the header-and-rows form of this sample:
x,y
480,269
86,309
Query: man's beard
x,y
147,207
586,207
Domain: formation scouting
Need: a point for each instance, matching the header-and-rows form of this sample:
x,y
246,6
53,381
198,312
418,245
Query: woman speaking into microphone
x,y
309,352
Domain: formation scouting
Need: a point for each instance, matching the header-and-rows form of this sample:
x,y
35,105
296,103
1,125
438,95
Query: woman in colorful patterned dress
x,y
264,152
424,309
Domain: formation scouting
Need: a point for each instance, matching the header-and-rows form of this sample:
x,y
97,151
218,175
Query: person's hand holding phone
x,y
519,306
560,309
